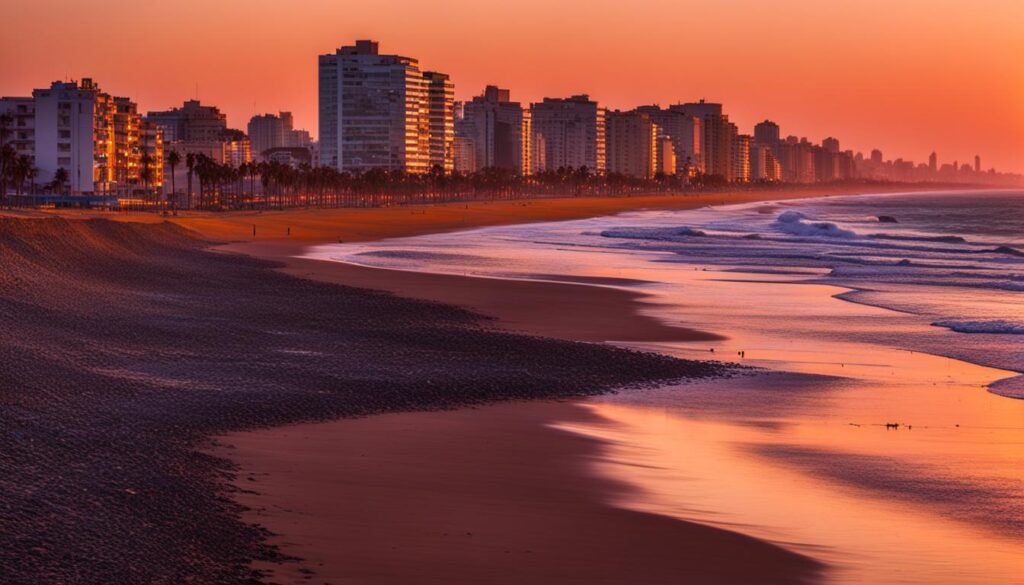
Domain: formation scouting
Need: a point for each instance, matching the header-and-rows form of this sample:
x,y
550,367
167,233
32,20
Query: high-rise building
x,y
667,164
763,164
465,145
568,133
685,132
192,122
500,131
95,137
831,145
933,162
268,131
22,111
719,138
767,134
632,144
151,145
876,157
374,111
741,158
977,163
441,121
796,157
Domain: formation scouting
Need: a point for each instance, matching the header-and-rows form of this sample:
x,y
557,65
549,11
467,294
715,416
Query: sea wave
x,y
994,326
792,222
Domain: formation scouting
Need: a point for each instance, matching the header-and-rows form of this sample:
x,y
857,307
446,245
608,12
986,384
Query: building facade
x,y
632,144
568,133
99,140
192,122
441,121
500,131
685,132
375,111
718,138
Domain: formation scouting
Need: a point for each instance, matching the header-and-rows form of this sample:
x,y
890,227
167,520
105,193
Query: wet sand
x,y
572,311
485,495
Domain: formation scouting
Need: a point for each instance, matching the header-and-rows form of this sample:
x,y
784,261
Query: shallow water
x,y
915,322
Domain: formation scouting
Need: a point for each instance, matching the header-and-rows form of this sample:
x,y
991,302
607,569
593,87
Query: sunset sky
x,y
907,76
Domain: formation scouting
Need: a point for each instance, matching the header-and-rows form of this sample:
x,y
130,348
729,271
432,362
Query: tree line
x,y
212,185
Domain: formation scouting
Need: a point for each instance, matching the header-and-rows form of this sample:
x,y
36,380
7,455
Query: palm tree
x,y
190,162
8,158
7,154
60,180
173,160
22,171
146,172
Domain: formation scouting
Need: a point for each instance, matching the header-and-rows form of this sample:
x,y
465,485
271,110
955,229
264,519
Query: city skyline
x,y
863,95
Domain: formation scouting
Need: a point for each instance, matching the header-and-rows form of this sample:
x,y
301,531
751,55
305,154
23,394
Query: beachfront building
x,y
741,158
195,128
797,159
440,121
667,165
375,111
568,133
192,122
764,167
767,133
22,124
718,138
465,145
632,144
269,131
500,131
96,138
685,132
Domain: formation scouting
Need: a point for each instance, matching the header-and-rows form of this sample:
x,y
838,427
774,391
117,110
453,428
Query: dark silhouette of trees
x,y
173,160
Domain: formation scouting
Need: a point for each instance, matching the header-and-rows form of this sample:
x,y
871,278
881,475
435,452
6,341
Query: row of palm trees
x,y
274,185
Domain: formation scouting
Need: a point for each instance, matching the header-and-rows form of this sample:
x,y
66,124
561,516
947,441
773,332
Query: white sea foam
x,y
792,222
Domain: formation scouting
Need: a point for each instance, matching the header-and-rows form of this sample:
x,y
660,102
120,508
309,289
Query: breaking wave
x,y
792,222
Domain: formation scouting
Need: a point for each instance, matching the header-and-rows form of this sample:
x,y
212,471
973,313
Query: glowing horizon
x,y
907,79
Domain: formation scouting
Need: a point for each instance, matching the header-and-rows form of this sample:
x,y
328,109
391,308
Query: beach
x,y
890,484
128,343
371,499
127,347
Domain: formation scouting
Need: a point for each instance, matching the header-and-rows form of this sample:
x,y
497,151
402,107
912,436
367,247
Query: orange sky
x,y
907,76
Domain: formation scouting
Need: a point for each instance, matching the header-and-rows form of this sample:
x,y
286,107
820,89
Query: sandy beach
x,y
125,347
320,352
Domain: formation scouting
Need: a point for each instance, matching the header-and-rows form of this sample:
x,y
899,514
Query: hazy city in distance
x,y
382,112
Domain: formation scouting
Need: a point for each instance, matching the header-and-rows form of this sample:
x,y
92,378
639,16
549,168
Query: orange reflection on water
x,y
806,460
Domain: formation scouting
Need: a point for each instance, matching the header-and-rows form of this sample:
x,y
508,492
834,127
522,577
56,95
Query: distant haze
x,y
906,76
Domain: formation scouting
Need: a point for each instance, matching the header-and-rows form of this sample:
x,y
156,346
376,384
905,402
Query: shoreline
x,y
568,311
564,310
492,494
126,280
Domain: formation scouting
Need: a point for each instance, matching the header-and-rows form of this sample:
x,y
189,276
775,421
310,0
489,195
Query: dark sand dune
x,y
123,347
